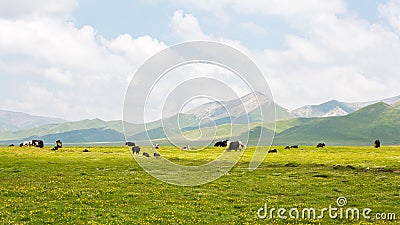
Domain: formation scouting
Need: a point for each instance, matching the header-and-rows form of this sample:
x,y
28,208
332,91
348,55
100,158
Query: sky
x,y
74,59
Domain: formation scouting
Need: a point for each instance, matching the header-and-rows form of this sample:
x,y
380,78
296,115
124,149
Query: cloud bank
x,y
50,66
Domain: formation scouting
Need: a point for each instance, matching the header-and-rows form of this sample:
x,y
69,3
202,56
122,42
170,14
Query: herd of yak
x,y
39,144
229,145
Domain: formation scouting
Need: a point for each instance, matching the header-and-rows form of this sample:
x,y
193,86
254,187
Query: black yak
x,y
130,144
320,145
221,143
235,145
136,150
377,143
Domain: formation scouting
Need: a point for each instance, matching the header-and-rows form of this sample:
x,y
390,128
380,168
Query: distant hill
x,y
60,128
239,111
361,127
93,135
377,121
242,110
94,130
336,108
13,121
396,105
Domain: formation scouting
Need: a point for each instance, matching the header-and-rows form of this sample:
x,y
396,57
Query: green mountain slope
x,y
85,136
336,108
269,107
61,128
377,121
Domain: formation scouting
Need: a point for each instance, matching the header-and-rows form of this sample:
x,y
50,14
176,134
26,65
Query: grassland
x,y
106,186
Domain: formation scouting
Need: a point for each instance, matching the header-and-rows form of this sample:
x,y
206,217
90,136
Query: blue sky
x,y
74,59
152,18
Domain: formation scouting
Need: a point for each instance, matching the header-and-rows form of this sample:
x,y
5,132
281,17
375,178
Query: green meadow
x,y
107,186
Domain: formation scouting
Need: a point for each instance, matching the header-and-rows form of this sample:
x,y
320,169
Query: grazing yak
x,y
25,143
156,154
35,143
377,143
38,143
294,146
287,147
320,145
221,143
58,145
146,154
187,147
272,151
130,143
235,145
136,150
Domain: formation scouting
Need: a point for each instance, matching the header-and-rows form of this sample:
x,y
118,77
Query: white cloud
x,y
290,9
335,57
131,49
346,59
66,71
295,11
58,76
253,27
306,50
186,27
50,41
35,99
206,5
22,8
209,6
391,11
189,80
74,72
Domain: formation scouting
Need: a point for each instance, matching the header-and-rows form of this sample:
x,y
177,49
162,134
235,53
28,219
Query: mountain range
x,y
334,122
242,110
336,108
362,127
14,121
